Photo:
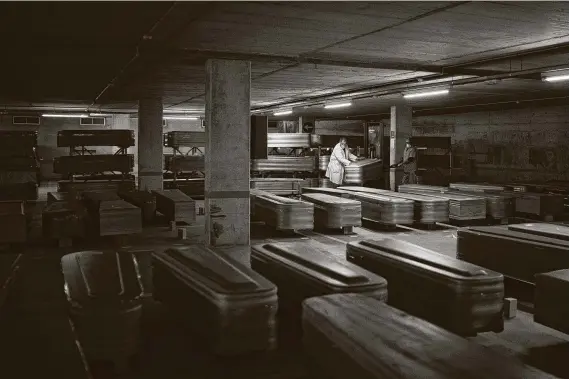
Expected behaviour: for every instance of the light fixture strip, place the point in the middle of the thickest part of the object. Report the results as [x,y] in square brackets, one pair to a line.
[338,105]
[61,115]
[282,113]
[556,78]
[179,118]
[426,94]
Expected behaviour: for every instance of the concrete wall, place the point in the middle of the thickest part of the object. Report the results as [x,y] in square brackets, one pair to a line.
[47,135]
[521,144]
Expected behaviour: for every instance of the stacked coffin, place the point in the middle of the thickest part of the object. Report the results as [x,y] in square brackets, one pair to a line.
[282,213]
[63,219]
[517,251]
[71,138]
[231,307]
[94,185]
[276,186]
[13,222]
[18,165]
[109,215]
[461,207]
[458,296]
[550,309]
[428,209]
[302,270]
[284,140]
[351,335]
[362,171]
[498,205]
[182,138]
[384,209]
[175,205]
[334,212]
[317,182]
[143,200]
[283,164]
[184,163]
[193,187]
[76,164]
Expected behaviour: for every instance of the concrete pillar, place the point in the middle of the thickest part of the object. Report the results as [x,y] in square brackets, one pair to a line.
[400,130]
[227,158]
[150,151]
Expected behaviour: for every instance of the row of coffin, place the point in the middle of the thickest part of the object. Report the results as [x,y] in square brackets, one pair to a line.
[96,213]
[340,306]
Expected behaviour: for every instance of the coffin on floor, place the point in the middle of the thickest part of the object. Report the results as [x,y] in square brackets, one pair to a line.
[458,296]
[461,207]
[175,205]
[384,209]
[428,209]
[354,336]
[109,215]
[302,270]
[63,219]
[334,212]
[282,213]
[551,305]
[515,254]
[227,305]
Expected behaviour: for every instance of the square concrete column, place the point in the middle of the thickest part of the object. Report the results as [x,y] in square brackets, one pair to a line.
[150,140]
[227,158]
[400,130]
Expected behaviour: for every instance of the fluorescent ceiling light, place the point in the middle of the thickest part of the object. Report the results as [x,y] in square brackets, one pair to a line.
[99,115]
[179,118]
[556,78]
[282,113]
[426,94]
[338,105]
[65,115]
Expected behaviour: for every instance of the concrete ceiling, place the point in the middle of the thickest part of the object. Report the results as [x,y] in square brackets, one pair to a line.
[107,55]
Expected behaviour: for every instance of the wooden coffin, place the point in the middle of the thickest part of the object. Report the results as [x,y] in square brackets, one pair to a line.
[551,305]
[456,295]
[144,200]
[334,212]
[354,336]
[175,205]
[226,305]
[282,213]
[63,220]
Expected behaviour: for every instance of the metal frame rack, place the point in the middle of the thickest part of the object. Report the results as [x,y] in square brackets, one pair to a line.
[19,155]
[178,139]
[78,140]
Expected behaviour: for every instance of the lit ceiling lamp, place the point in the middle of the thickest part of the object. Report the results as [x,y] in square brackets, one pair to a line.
[426,94]
[62,115]
[282,113]
[179,118]
[555,76]
[338,105]
[100,115]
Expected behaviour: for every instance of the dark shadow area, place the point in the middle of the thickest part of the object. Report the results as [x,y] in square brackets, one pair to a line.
[551,359]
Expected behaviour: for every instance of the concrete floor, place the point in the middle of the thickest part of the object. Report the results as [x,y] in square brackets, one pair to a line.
[37,339]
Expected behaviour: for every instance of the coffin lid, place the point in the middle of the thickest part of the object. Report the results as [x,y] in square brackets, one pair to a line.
[320,262]
[419,254]
[210,265]
[101,276]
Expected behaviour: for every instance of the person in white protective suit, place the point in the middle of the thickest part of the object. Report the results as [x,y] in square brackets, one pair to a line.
[340,158]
